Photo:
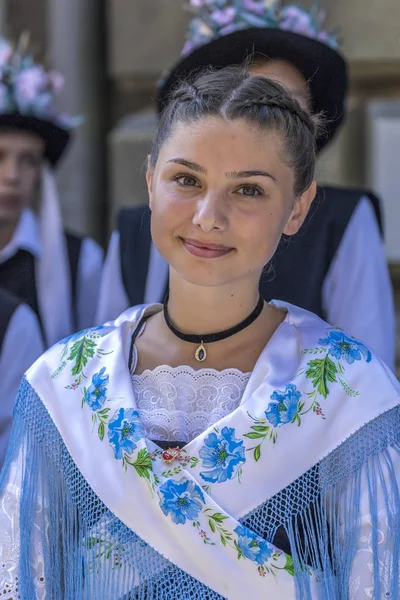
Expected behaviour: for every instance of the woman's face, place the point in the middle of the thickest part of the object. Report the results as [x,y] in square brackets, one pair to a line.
[221,196]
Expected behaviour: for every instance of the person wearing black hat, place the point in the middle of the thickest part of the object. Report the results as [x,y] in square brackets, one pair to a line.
[21,344]
[346,281]
[57,274]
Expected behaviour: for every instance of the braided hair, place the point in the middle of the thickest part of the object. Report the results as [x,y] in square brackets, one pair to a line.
[232,93]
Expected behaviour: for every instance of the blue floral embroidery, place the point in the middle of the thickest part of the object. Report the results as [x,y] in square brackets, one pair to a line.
[96,393]
[182,500]
[222,454]
[124,430]
[284,407]
[342,346]
[252,546]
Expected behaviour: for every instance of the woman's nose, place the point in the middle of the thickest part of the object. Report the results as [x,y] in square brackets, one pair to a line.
[210,213]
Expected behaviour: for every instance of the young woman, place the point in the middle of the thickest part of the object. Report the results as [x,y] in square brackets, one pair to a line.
[217,446]
[348,283]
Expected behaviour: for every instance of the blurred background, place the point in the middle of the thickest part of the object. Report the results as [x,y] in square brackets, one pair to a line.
[113,52]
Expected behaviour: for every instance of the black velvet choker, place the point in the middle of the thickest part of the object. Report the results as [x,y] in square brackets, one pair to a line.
[201,340]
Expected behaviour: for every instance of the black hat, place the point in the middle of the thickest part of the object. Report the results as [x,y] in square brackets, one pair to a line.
[27,98]
[322,66]
[55,137]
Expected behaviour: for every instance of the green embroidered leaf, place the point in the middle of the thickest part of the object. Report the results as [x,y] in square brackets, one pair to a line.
[143,464]
[257,452]
[253,435]
[349,391]
[81,351]
[321,371]
[193,462]
[101,430]
[212,526]
[218,517]
[260,428]
[240,553]
[104,412]
[92,541]
[289,566]
[223,540]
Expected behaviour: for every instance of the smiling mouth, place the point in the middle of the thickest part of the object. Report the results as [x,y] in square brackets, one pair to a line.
[205,249]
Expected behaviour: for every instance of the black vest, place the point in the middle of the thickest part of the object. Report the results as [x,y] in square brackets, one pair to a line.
[296,273]
[8,306]
[17,275]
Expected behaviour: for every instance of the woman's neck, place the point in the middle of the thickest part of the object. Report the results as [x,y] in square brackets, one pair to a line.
[201,310]
[196,310]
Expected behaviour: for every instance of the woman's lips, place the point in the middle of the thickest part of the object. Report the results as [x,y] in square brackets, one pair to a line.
[205,249]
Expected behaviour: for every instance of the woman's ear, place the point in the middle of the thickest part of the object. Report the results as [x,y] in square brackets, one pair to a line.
[300,210]
[149,180]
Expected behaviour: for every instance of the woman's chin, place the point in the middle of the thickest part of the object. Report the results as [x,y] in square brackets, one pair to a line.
[207,277]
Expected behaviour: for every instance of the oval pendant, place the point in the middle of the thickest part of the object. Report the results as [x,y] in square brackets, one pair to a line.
[200,353]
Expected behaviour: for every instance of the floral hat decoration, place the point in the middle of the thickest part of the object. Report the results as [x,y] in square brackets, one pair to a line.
[28,98]
[229,32]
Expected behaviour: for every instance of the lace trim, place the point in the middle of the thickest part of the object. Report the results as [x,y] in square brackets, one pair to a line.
[179,403]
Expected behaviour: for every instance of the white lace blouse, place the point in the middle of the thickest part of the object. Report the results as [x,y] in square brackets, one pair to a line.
[178,404]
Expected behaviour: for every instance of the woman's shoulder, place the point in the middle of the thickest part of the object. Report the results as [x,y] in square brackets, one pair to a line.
[330,355]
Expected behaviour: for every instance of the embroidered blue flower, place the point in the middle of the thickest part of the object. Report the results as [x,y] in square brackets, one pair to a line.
[342,346]
[124,430]
[80,334]
[284,406]
[252,546]
[222,454]
[96,393]
[181,499]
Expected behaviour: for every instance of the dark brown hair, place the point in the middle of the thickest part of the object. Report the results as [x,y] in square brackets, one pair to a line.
[232,93]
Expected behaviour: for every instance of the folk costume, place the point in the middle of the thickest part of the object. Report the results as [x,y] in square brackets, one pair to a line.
[57,274]
[21,344]
[335,266]
[289,490]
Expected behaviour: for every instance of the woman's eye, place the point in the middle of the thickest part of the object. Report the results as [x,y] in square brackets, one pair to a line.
[250,190]
[186,180]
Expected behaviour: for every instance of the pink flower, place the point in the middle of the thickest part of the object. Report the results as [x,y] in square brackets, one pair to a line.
[254,6]
[56,80]
[294,19]
[224,17]
[30,83]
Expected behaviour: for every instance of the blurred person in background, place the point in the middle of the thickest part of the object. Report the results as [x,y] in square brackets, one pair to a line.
[21,343]
[55,273]
[346,280]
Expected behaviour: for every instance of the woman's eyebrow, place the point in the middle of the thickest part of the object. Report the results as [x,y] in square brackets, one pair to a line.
[245,174]
[187,163]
